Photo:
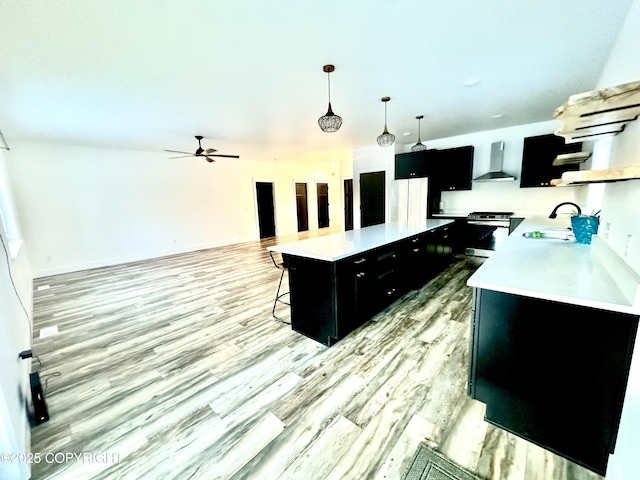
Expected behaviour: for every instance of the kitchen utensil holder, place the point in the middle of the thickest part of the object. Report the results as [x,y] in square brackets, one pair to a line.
[584,226]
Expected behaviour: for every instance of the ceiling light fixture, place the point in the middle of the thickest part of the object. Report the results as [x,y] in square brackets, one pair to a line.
[418,147]
[472,82]
[329,122]
[386,139]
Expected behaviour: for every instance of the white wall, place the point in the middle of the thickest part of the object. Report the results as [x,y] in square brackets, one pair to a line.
[621,199]
[85,207]
[620,210]
[15,336]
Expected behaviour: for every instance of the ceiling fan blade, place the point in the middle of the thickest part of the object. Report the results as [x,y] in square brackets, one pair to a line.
[208,159]
[227,156]
[183,156]
[178,151]
[210,150]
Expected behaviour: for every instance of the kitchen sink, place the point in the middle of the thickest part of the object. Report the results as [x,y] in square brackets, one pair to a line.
[560,234]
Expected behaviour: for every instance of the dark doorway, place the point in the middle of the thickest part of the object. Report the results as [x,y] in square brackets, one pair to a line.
[323,205]
[372,198]
[348,204]
[301,207]
[266,210]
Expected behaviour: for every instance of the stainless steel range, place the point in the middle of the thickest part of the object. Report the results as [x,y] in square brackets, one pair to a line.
[485,231]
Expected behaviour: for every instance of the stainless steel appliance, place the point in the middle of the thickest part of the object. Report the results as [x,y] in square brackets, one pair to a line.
[485,231]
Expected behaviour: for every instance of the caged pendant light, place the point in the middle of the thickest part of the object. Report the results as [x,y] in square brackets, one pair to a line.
[329,122]
[418,147]
[386,139]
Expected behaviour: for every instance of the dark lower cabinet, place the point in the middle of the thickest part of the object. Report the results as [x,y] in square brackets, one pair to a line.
[552,373]
[312,285]
[329,300]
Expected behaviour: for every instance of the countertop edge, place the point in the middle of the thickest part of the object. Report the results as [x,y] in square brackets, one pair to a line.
[612,307]
[429,224]
[625,278]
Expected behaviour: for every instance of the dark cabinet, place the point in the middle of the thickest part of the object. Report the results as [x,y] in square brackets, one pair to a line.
[552,373]
[363,284]
[366,284]
[312,286]
[388,277]
[331,299]
[439,249]
[447,169]
[452,168]
[413,164]
[415,260]
[537,157]
[426,255]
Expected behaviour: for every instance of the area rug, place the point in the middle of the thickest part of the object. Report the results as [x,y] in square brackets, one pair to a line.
[430,465]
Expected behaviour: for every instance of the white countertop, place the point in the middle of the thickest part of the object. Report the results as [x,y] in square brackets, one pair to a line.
[558,270]
[345,244]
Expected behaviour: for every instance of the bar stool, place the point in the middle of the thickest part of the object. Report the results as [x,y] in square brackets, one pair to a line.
[283,267]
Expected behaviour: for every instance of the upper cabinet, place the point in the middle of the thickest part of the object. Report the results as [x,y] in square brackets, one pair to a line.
[537,160]
[412,164]
[452,168]
[598,113]
[448,169]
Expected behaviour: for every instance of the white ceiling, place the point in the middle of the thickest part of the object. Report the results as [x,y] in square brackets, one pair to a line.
[247,74]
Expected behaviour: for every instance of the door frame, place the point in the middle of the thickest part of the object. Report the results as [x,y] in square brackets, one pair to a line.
[344,203]
[384,194]
[256,216]
[312,209]
[328,184]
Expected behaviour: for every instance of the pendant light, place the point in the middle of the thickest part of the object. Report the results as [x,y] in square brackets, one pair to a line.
[386,139]
[418,147]
[329,122]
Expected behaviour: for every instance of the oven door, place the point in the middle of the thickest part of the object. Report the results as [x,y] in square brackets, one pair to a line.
[483,238]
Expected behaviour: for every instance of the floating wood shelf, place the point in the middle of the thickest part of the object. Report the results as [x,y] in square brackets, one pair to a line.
[571,158]
[597,176]
[599,113]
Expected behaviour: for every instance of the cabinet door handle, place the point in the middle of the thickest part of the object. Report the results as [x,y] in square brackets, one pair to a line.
[358,262]
[360,274]
[391,292]
[416,250]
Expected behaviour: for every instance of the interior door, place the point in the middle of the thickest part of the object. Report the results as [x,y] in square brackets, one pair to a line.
[266,209]
[302,207]
[348,204]
[323,205]
[372,198]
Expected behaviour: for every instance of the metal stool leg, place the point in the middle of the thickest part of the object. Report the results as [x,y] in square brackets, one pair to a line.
[278,294]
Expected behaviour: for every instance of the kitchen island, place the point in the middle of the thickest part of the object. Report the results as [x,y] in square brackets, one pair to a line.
[338,282]
[552,336]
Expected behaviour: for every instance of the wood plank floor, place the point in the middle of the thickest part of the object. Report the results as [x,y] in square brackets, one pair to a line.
[174,368]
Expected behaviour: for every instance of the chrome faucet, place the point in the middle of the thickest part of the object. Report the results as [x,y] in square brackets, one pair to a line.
[554,214]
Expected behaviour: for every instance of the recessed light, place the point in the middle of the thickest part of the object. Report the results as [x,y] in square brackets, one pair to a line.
[406,134]
[472,82]
[497,115]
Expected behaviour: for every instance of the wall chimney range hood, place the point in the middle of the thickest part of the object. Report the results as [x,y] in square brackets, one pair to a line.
[495,173]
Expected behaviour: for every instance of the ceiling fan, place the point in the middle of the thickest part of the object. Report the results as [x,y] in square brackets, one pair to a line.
[201,152]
